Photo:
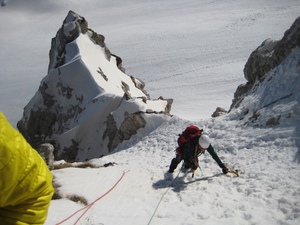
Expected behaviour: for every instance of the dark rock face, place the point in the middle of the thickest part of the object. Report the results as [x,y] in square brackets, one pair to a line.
[86,105]
[129,127]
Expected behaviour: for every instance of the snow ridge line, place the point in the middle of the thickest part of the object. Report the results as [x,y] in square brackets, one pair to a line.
[91,204]
[164,195]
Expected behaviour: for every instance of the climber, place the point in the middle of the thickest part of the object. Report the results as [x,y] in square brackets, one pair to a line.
[193,143]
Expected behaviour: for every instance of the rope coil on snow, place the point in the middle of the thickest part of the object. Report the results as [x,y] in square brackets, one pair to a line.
[86,208]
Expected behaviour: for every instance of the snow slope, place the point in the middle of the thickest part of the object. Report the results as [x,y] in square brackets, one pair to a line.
[267,191]
[204,43]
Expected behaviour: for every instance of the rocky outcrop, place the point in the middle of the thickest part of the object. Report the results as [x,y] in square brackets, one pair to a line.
[46,151]
[86,105]
[271,95]
[219,112]
[265,58]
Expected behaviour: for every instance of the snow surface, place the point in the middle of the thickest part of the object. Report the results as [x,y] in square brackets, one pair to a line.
[204,43]
[267,191]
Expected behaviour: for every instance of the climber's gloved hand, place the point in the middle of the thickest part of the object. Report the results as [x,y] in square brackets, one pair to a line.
[193,166]
[225,170]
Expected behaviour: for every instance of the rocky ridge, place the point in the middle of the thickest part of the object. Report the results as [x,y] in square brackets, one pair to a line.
[274,65]
[86,105]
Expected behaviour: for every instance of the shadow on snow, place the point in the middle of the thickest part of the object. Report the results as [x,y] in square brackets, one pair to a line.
[180,182]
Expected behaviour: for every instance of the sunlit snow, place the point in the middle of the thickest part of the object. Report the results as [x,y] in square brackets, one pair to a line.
[191,51]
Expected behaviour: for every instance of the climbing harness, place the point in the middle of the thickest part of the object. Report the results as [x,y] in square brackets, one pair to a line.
[197,164]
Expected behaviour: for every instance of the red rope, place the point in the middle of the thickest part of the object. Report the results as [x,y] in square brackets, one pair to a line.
[91,204]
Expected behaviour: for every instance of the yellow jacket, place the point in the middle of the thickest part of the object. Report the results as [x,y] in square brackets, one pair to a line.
[25,180]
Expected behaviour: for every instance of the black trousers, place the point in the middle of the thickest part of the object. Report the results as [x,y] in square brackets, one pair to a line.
[187,164]
[174,163]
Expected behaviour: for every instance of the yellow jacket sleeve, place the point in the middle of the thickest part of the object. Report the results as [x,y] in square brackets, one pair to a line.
[25,180]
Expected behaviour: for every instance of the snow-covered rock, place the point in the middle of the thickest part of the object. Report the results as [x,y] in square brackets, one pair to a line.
[86,105]
[272,94]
